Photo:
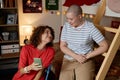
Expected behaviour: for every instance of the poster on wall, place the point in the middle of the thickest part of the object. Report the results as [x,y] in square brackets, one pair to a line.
[32,6]
[51,4]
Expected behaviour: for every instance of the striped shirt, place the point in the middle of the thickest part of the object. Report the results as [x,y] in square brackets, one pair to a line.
[80,39]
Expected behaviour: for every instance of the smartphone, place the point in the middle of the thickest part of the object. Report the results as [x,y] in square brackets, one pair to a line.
[38,60]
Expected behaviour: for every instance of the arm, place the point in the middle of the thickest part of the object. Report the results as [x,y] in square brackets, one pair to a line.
[80,58]
[23,62]
[66,50]
[103,46]
[39,74]
[27,69]
[46,63]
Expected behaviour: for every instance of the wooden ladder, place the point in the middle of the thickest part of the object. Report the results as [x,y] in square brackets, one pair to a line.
[110,54]
[113,48]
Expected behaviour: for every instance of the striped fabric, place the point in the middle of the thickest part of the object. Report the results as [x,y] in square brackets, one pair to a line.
[81,39]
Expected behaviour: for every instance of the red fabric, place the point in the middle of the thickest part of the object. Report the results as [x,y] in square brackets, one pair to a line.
[90,2]
[27,54]
[80,2]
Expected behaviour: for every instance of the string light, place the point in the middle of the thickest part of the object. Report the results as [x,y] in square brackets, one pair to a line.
[91,16]
[64,12]
[28,2]
[58,13]
[86,16]
[83,15]
[40,8]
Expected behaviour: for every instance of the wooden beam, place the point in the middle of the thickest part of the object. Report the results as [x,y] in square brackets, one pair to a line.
[109,56]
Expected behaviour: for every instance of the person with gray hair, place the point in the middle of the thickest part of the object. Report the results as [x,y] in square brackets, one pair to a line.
[77,43]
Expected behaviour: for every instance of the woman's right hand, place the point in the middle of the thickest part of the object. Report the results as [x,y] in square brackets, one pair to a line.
[35,66]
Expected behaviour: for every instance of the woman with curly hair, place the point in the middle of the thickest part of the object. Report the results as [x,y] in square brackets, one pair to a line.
[40,46]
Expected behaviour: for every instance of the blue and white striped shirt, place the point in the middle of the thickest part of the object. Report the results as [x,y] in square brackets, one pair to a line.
[80,39]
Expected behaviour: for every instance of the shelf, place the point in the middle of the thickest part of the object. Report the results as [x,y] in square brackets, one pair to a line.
[9,29]
[9,41]
[11,66]
[8,56]
[7,8]
[5,25]
[9,62]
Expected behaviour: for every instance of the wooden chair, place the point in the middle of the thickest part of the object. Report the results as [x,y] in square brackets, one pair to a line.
[110,54]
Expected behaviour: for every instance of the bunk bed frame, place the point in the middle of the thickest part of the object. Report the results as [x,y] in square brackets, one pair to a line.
[113,48]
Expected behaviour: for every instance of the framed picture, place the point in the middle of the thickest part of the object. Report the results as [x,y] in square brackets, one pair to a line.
[51,4]
[32,6]
[115,24]
[11,19]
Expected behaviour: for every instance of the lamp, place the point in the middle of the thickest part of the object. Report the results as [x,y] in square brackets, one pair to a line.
[27,30]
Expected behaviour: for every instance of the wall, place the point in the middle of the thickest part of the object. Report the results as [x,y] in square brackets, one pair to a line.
[55,21]
[36,19]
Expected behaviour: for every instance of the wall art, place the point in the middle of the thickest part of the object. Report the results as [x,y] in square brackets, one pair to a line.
[32,6]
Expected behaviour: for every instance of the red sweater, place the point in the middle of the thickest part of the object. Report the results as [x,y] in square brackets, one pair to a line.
[27,54]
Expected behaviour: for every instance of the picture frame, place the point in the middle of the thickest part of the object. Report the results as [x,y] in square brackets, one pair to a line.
[32,6]
[115,24]
[52,4]
[11,19]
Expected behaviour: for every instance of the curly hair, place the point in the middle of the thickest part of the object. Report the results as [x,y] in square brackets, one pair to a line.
[36,36]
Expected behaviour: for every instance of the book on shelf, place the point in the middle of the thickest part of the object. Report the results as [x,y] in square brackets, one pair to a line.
[10,3]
